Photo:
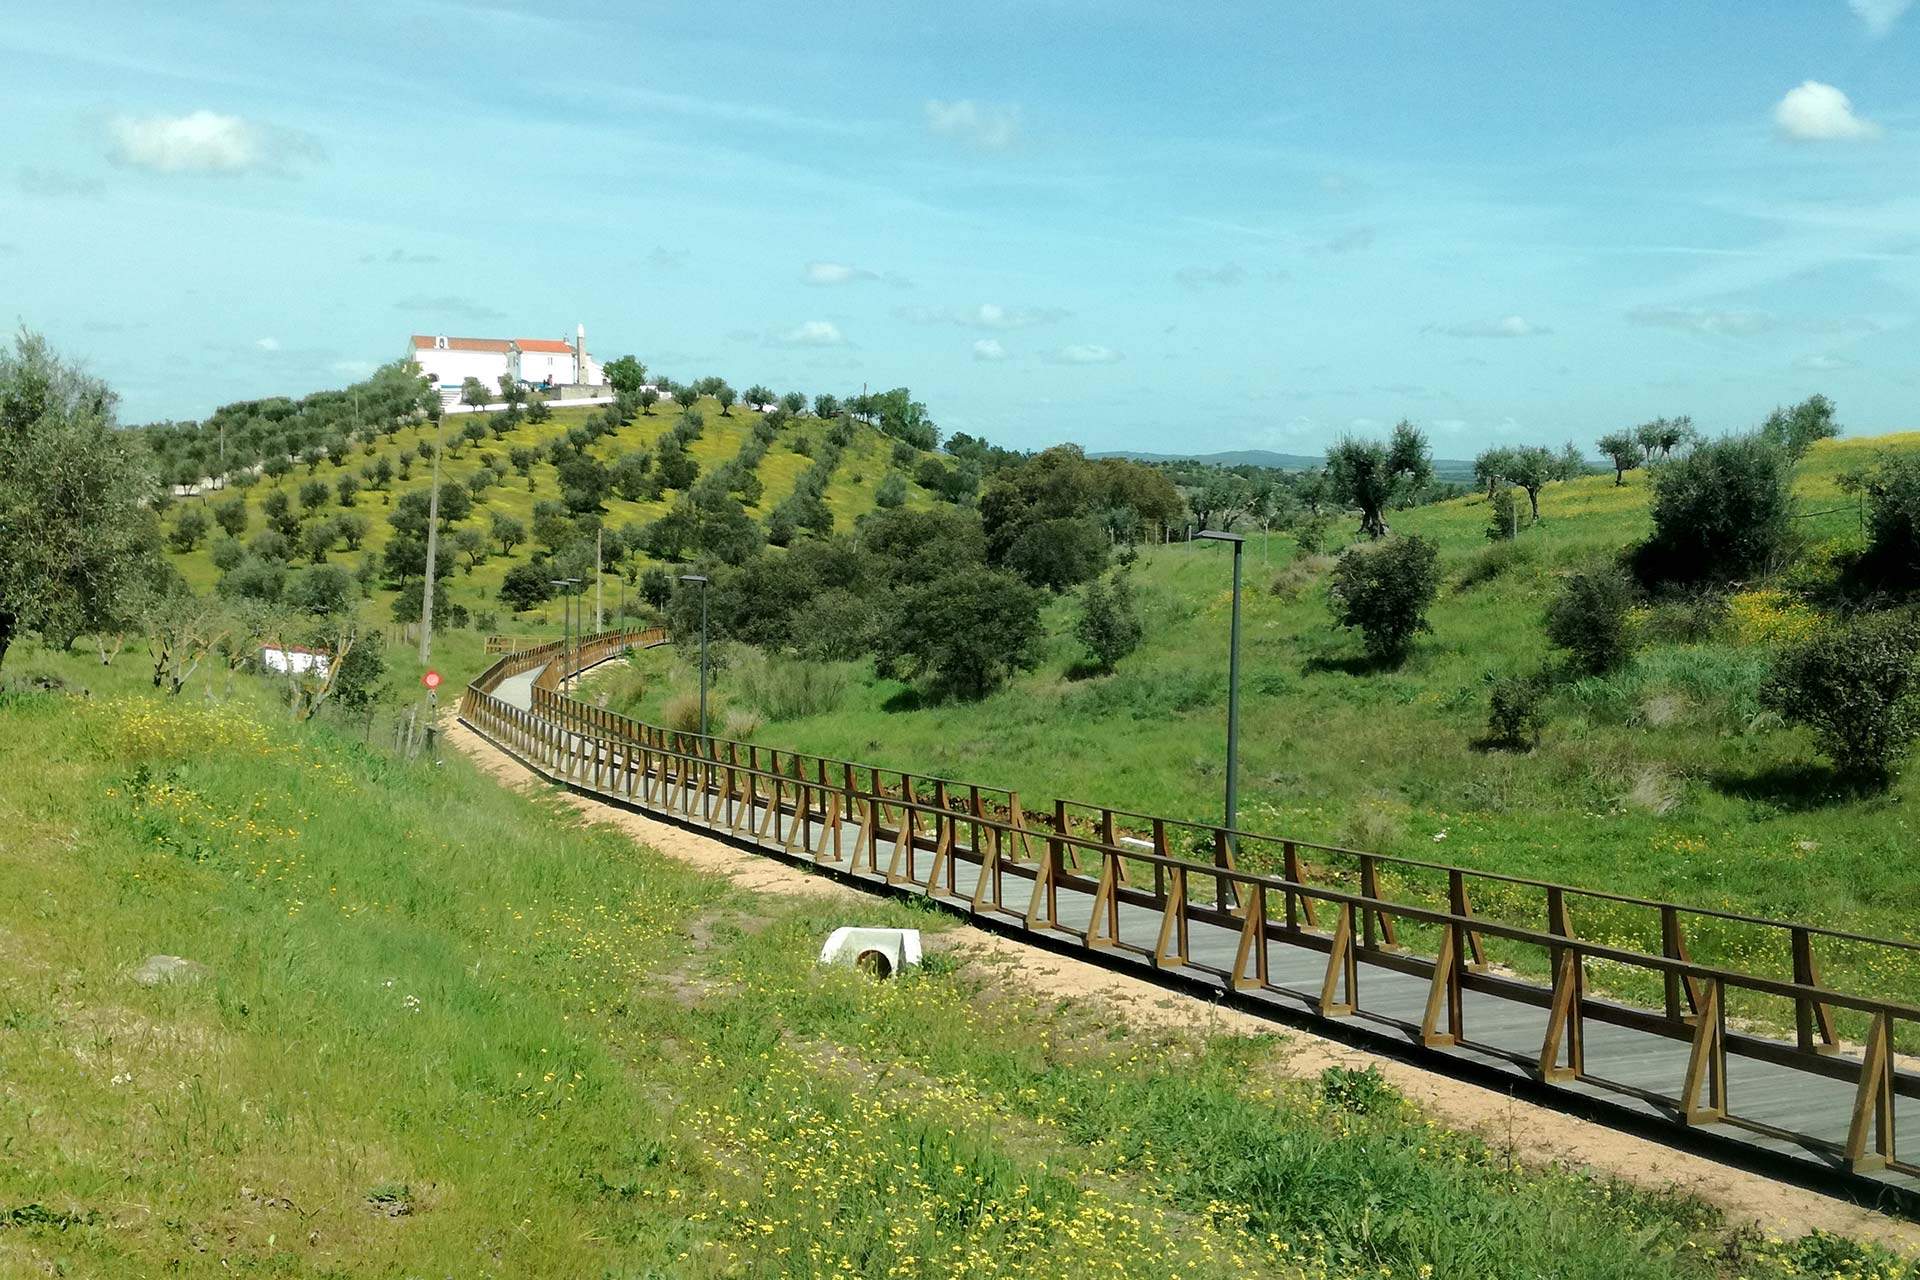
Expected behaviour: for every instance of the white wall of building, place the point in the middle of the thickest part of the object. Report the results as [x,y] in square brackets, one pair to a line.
[451,368]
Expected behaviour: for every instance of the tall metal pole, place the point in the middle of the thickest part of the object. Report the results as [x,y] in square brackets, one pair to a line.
[1233,700]
[599,590]
[433,550]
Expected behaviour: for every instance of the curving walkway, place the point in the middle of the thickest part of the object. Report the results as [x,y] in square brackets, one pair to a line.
[1222,936]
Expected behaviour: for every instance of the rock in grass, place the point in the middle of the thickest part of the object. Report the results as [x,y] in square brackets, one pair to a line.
[159,971]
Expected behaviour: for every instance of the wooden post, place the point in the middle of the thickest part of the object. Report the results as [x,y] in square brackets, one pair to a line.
[1253,943]
[1812,1020]
[1443,998]
[1563,1020]
[1170,949]
[1342,968]
[1873,1112]
[1707,1061]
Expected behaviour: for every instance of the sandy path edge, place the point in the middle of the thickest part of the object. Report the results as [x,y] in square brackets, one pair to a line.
[1546,1135]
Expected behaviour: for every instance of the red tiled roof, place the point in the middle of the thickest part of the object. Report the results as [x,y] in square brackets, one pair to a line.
[428,342]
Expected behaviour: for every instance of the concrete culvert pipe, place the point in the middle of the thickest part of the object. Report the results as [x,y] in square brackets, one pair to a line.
[874,962]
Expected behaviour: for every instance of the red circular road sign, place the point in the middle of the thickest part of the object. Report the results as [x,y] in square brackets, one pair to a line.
[431,679]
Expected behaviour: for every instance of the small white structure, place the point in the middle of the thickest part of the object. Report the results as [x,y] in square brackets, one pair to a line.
[538,362]
[296,659]
[880,952]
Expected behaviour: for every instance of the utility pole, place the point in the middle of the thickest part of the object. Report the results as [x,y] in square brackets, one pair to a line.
[599,583]
[700,581]
[433,550]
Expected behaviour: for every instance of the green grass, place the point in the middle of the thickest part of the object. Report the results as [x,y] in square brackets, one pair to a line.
[1662,781]
[850,495]
[445,1030]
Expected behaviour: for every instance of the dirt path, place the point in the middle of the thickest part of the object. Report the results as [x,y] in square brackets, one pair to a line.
[1551,1136]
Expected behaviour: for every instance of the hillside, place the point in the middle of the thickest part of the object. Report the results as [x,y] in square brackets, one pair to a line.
[1445,470]
[1665,779]
[431,1025]
[864,464]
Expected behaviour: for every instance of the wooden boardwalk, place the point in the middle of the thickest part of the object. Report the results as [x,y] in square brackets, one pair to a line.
[1738,1096]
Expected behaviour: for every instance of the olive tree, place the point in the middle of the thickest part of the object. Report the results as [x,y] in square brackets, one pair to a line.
[75,530]
[1372,475]
[1384,590]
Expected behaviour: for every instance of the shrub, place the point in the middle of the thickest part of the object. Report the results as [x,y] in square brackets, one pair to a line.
[1503,516]
[1688,619]
[1384,590]
[788,688]
[1495,561]
[1109,621]
[1298,574]
[1592,619]
[1892,493]
[1311,535]
[1723,513]
[1361,1092]
[681,712]
[968,631]
[740,724]
[1857,687]
[1517,711]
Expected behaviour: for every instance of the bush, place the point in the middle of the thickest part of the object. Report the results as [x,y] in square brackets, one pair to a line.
[1385,589]
[1723,513]
[967,631]
[1496,561]
[740,724]
[1517,711]
[1592,619]
[1109,621]
[681,712]
[788,688]
[1361,1092]
[1856,685]
[1503,516]
[1892,492]
[1298,574]
[1311,535]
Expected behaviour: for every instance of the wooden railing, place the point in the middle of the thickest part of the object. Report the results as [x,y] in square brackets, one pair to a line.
[981,850]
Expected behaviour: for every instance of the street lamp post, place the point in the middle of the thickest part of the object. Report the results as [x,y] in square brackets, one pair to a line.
[1233,681]
[701,581]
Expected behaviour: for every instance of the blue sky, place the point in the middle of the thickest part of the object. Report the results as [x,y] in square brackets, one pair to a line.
[1136,225]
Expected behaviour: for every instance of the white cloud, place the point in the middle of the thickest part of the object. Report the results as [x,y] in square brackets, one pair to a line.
[1824,363]
[1085,353]
[814,333]
[1222,276]
[989,349]
[1879,15]
[204,142]
[827,274]
[1735,324]
[977,124]
[267,344]
[1817,112]
[1505,327]
[988,315]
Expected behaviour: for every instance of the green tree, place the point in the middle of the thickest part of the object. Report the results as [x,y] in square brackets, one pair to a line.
[189,527]
[525,585]
[1534,467]
[648,397]
[1503,516]
[794,402]
[625,375]
[75,531]
[826,406]
[1663,435]
[232,515]
[725,396]
[1372,476]
[630,474]
[1856,685]
[1492,467]
[314,495]
[966,632]
[656,587]
[891,491]
[475,394]
[1722,513]
[1624,450]
[1385,589]
[1109,621]
[507,531]
[1890,490]
[348,489]
[759,396]
[1796,430]
[352,530]
[472,544]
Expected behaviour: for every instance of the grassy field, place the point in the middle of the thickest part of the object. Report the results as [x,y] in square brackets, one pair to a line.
[439,1028]
[864,464]
[1665,780]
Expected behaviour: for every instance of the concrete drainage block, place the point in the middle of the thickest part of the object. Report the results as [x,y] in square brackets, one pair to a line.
[880,953]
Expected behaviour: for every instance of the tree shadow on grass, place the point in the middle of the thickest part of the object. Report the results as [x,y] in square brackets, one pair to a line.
[1794,788]
[1083,670]
[1351,664]
[907,699]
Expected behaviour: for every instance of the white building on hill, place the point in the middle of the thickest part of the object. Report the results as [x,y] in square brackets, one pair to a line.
[538,362]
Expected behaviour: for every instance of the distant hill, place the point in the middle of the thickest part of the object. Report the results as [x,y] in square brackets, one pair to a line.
[1443,468]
